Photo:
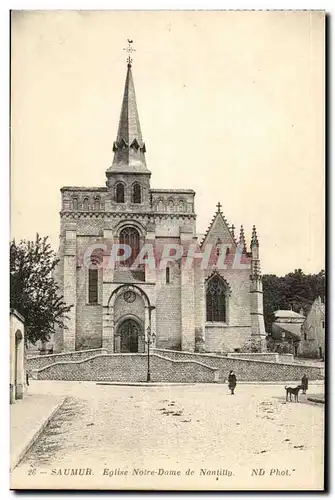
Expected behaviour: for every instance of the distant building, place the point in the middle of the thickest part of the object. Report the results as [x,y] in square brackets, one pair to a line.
[286,331]
[313,331]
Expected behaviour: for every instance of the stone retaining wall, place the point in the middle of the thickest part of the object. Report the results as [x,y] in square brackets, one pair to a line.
[259,356]
[128,368]
[248,370]
[263,356]
[34,362]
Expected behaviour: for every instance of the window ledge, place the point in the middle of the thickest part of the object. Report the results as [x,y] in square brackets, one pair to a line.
[216,324]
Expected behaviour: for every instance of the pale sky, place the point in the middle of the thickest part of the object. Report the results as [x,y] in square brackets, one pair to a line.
[231,104]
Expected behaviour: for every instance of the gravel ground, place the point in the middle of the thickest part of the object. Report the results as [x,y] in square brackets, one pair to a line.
[201,427]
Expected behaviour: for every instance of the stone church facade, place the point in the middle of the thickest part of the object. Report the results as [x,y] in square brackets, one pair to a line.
[212,308]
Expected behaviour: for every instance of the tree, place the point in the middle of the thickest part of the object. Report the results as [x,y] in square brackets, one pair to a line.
[34,292]
[295,291]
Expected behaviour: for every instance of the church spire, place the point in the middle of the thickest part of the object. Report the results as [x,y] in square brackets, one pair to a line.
[129,147]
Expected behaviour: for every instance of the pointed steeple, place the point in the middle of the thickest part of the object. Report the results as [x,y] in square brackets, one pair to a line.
[129,148]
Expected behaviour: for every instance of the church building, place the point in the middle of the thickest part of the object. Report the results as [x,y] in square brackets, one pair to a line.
[211,308]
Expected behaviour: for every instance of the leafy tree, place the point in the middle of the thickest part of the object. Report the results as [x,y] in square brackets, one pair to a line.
[295,290]
[34,292]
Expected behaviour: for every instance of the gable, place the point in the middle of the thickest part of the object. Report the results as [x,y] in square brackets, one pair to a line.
[218,230]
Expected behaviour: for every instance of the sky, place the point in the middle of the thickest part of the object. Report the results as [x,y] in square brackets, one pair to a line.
[231,104]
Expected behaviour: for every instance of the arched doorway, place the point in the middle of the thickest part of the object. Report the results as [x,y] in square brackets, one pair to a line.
[131,336]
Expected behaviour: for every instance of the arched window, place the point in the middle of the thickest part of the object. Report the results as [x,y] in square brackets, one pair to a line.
[75,203]
[130,236]
[160,206]
[93,276]
[93,286]
[216,299]
[167,275]
[119,193]
[85,204]
[97,203]
[136,193]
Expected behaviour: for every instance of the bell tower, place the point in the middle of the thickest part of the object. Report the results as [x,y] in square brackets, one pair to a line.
[128,178]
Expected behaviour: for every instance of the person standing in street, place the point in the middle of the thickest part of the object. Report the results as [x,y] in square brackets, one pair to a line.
[232,381]
[304,383]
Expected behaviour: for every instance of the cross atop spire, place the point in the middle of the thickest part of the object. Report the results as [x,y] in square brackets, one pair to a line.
[129,50]
[219,206]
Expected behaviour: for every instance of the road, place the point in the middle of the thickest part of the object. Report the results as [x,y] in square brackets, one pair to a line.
[111,431]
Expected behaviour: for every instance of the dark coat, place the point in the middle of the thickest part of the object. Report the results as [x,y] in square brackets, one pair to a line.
[304,383]
[232,380]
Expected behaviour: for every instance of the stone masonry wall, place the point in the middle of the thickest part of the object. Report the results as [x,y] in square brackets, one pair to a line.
[249,370]
[89,316]
[168,308]
[219,338]
[35,362]
[128,368]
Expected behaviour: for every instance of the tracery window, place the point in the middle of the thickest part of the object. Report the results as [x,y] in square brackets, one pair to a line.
[136,193]
[130,236]
[119,193]
[216,299]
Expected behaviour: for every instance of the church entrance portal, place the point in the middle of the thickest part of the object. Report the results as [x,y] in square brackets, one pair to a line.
[130,334]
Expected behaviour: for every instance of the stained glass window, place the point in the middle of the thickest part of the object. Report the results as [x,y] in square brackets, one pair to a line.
[216,297]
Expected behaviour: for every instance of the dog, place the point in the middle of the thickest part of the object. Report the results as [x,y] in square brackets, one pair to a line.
[294,391]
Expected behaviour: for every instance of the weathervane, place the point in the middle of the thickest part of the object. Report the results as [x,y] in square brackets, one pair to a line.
[129,49]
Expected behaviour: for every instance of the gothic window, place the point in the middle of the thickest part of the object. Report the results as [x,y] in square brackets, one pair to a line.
[167,275]
[85,204]
[97,203]
[130,236]
[75,203]
[136,193]
[119,193]
[216,299]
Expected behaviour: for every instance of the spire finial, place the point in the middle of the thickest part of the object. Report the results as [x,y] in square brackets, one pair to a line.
[242,239]
[254,237]
[218,206]
[129,50]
